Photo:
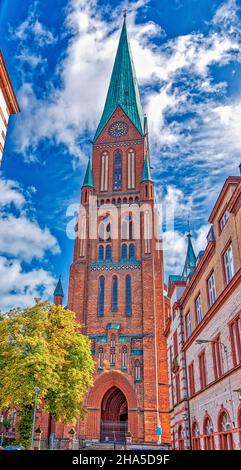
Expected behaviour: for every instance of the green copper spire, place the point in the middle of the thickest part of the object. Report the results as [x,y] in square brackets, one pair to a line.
[59,289]
[146,172]
[123,88]
[88,181]
[191,259]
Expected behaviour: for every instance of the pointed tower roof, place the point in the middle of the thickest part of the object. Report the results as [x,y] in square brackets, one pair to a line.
[191,259]
[123,89]
[88,180]
[59,289]
[146,172]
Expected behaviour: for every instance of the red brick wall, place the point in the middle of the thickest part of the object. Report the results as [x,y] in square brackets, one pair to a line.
[147,316]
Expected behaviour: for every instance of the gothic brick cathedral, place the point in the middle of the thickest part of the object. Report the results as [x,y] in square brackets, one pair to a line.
[116,278]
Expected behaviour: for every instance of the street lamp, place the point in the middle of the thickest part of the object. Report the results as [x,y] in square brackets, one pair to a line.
[203,341]
[37,390]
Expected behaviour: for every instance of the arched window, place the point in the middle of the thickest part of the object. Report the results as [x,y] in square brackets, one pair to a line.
[108,232]
[146,189]
[108,253]
[105,230]
[131,169]
[208,434]
[124,251]
[137,371]
[101,357]
[147,231]
[117,170]
[112,350]
[196,441]
[102,231]
[180,438]
[112,341]
[104,172]
[132,251]
[131,229]
[127,228]
[128,295]
[225,432]
[82,235]
[114,294]
[124,358]
[86,193]
[101,296]
[101,253]
[124,230]
[125,200]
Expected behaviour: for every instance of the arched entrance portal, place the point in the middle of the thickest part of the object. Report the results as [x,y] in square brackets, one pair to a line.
[114,416]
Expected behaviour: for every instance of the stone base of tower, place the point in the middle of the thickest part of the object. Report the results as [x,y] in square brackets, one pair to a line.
[114,408]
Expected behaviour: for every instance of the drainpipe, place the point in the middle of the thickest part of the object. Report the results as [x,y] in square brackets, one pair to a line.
[186,381]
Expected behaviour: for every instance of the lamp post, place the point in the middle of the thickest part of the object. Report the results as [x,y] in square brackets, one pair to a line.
[203,341]
[36,389]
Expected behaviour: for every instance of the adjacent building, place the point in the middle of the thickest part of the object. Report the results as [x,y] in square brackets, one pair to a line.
[204,335]
[8,103]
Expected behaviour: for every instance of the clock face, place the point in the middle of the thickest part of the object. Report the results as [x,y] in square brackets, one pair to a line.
[118,129]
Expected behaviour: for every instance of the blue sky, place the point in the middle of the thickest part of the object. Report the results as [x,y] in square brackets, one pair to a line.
[188,62]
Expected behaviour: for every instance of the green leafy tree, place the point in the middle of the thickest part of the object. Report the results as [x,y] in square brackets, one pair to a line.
[42,346]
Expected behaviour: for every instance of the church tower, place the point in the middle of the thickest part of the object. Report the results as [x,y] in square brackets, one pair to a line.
[116,278]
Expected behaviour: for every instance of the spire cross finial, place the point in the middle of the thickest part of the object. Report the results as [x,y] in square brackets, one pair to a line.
[125,13]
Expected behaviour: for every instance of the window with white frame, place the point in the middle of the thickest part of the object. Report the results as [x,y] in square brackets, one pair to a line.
[104,172]
[131,169]
[82,234]
[137,370]
[229,264]
[147,231]
[211,289]
[124,358]
[199,311]
[223,220]
[188,325]
[101,357]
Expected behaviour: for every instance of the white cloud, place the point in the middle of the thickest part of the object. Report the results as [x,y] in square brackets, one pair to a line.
[22,238]
[18,288]
[226,14]
[85,70]
[29,38]
[10,193]
[32,29]
[174,244]
[194,131]
[175,248]
[175,203]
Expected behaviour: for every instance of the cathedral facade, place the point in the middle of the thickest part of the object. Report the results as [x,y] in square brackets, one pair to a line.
[116,279]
